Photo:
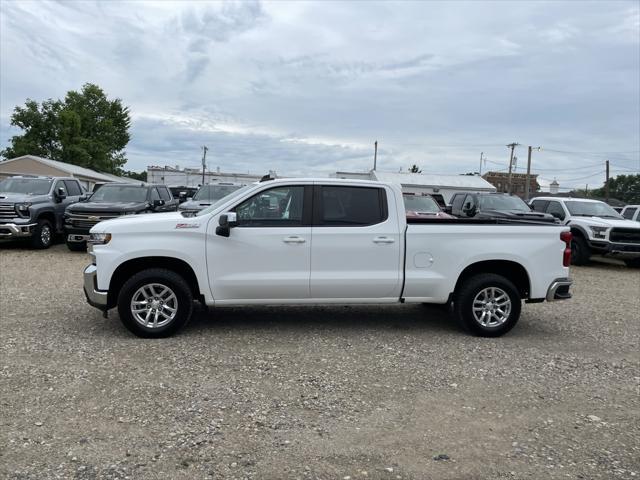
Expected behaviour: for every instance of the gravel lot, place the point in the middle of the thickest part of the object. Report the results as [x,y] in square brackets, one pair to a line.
[328,392]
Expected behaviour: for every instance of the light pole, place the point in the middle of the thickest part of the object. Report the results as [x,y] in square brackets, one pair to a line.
[526,184]
[512,146]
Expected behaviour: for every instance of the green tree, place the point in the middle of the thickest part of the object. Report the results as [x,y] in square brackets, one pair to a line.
[86,129]
[622,187]
[142,176]
[414,169]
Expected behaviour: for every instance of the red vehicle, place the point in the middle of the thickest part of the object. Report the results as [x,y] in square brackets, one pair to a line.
[422,206]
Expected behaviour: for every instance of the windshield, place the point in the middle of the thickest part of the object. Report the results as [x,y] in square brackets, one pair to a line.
[231,196]
[120,193]
[421,204]
[591,209]
[30,186]
[503,202]
[214,192]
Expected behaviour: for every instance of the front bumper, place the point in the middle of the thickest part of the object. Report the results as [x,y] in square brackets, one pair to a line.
[16,230]
[626,250]
[96,298]
[559,289]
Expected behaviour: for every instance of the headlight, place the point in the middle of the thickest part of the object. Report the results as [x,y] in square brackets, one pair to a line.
[23,208]
[100,238]
[598,232]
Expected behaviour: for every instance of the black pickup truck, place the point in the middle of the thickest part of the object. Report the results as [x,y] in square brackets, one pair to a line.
[499,206]
[32,207]
[113,200]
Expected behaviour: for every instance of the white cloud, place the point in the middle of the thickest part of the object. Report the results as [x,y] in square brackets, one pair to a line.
[306,87]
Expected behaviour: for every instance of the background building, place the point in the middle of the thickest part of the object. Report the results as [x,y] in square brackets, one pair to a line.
[33,165]
[444,185]
[192,177]
[500,180]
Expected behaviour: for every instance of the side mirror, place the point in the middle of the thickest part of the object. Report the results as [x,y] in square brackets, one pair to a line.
[226,222]
[182,197]
[84,197]
[469,210]
[158,203]
[60,193]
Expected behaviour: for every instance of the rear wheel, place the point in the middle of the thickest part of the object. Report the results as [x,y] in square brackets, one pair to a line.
[487,305]
[155,303]
[42,234]
[580,252]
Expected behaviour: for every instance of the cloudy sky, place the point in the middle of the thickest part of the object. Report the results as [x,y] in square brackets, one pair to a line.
[306,88]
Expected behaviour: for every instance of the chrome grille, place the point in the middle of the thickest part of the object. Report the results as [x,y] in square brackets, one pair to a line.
[7,212]
[87,220]
[625,235]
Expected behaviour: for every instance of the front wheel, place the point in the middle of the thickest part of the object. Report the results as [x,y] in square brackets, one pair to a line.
[632,262]
[42,235]
[487,305]
[580,252]
[77,246]
[155,303]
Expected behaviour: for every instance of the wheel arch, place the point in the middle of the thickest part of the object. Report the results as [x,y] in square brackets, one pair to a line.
[512,271]
[125,270]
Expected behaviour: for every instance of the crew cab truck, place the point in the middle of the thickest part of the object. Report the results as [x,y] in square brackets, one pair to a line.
[32,207]
[113,200]
[495,205]
[321,241]
[597,229]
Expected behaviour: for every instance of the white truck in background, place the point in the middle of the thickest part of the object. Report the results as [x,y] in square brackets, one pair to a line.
[321,241]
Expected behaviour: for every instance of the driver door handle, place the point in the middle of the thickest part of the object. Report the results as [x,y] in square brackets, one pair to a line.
[383,240]
[294,239]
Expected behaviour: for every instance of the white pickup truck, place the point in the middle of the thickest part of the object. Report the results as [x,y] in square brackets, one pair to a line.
[321,241]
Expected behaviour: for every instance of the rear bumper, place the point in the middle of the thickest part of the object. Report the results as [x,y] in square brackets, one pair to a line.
[559,289]
[16,230]
[96,298]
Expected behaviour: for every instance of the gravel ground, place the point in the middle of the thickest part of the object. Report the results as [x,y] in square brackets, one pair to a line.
[327,392]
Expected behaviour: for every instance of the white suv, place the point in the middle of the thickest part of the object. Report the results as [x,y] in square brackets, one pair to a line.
[631,212]
[596,227]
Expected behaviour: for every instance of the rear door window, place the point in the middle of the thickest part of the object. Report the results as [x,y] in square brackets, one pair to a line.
[164,193]
[539,205]
[556,210]
[73,189]
[350,206]
[629,213]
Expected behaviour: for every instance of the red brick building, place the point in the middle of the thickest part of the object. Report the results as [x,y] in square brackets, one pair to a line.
[500,180]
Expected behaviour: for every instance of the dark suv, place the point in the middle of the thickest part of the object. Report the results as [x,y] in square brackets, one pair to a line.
[32,207]
[499,206]
[113,200]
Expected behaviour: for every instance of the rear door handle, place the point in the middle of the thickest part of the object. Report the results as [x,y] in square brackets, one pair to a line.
[294,239]
[383,240]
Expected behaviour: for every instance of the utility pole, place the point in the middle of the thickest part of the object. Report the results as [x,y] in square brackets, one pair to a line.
[512,146]
[204,158]
[480,170]
[375,154]
[606,183]
[528,177]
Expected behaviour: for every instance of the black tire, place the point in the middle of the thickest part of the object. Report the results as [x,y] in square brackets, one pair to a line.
[42,235]
[466,294]
[632,262]
[77,246]
[580,253]
[166,278]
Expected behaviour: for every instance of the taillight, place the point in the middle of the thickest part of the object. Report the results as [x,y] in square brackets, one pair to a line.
[566,256]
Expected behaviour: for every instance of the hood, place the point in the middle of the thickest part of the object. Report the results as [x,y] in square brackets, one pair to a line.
[97,207]
[608,222]
[196,204]
[9,197]
[150,222]
[517,214]
[438,215]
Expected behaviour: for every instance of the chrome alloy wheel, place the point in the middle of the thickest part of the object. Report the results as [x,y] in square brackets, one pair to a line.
[45,234]
[491,307]
[154,305]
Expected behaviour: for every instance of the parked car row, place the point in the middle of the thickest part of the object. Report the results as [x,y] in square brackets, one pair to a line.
[37,208]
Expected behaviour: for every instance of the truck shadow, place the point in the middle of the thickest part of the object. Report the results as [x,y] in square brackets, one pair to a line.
[318,318]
